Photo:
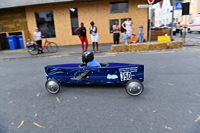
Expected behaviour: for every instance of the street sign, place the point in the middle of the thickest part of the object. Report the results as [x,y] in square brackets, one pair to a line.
[179,5]
[143,6]
[150,1]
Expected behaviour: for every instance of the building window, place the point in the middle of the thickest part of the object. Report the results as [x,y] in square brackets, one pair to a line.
[74,19]
[112,22]
[167,11]
[45,23]
[119,6]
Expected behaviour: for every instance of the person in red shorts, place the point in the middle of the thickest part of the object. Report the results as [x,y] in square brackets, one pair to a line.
[81,32]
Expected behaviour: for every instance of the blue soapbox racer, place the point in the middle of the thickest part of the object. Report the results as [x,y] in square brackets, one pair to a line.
[132,75]
[110,73]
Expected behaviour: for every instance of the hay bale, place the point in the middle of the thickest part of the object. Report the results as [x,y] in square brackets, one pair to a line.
[152,46]
[143,47]
[175,44]
[119,48]
[157,46]
[133,47]
[180,44]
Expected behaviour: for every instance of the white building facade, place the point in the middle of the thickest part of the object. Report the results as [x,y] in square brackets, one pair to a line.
[163,13]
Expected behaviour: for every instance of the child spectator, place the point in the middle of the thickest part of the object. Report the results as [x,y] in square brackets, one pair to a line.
[133,38]
[125,38]
[141,34]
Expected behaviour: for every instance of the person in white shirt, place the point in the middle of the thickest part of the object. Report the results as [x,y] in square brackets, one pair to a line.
[178,26]
[94,37]
[38,39]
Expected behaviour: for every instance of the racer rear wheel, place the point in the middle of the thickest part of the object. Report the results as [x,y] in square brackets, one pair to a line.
[52,47]
[134,87]
[52,86]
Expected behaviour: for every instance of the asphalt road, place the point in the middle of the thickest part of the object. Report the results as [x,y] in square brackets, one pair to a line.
[169,103]
[195,35]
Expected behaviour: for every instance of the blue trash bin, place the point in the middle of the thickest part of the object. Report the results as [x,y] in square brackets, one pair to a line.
[21,42]
[13,42]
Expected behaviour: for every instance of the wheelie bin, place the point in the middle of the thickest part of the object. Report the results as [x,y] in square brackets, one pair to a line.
[21,41]
[13,42]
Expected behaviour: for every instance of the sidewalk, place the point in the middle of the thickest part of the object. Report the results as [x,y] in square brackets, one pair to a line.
[62,50]
[188,41]
[72,49]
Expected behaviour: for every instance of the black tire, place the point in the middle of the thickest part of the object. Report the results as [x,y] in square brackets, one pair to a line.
[189,31]
[52,47]
[33,51]
[134,87]
[52,86]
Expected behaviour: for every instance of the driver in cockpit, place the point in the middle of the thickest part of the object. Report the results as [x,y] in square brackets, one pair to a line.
[88,58]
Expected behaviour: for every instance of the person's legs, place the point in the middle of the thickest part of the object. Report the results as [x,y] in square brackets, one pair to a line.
[117,37]
[39,43]
[82,42]
[93,46]
[140,39]
[114,37]
[97,46]
[96,39]
[86,42]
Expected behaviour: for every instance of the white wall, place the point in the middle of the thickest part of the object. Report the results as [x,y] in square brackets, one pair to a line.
[163,15]
[158,14]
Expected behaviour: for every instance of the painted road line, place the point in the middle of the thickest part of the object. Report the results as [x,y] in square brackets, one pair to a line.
[159,52]
[103,55]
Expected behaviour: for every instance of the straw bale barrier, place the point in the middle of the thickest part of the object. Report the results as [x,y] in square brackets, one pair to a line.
[152,46]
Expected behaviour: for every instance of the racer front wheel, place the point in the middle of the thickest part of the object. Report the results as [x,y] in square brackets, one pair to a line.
[52,47]
[134,87]
[52,86]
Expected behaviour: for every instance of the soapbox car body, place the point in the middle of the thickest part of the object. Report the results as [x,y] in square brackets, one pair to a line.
[132,75]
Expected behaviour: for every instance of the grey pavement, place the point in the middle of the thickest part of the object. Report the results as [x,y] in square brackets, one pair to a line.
[73,49]
[169,103]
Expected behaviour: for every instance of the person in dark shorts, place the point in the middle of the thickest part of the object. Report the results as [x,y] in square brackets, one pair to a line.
[38,39]
[81,32]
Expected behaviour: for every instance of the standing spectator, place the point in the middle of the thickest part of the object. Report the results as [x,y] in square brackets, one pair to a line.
[94,37]
[128,25]
[116,32]
[38,39]
[178,28]
[174,29]
[125,38]
[83,37]
[141,34]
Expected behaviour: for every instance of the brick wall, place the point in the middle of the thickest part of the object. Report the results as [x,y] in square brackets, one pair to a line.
[98,11]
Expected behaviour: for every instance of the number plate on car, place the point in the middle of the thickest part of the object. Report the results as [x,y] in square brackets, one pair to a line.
[125,76]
